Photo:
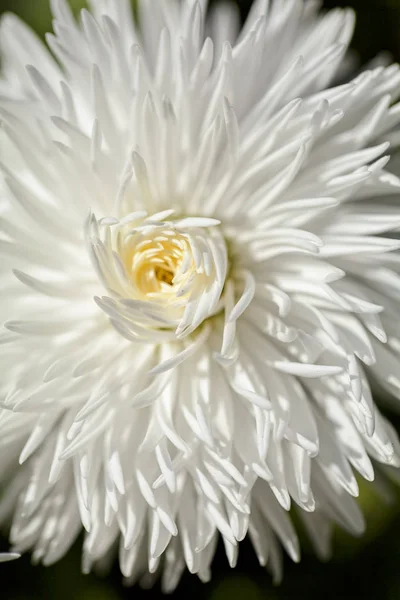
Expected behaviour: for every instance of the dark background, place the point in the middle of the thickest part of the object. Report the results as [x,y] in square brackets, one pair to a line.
[367,568]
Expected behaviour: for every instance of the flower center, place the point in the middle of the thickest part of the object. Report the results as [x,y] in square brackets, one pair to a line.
[162,275]
[157,265]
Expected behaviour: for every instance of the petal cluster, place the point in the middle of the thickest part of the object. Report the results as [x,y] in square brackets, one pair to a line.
[165,277]
[200,282]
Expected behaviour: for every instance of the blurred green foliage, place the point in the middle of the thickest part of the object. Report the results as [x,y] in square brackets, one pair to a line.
[36,12]
[365,568]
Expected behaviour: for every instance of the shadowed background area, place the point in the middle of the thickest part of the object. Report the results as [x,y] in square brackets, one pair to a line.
[361,568]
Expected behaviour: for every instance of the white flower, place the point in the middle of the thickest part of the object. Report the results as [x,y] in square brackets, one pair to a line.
[198,282]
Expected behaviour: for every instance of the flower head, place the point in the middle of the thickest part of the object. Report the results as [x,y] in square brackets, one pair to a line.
[199,282]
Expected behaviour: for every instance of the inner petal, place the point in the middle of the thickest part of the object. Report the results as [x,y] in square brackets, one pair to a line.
[155,265]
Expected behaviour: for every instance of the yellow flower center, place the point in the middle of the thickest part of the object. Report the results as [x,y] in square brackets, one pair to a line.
[159,265]
[164,277]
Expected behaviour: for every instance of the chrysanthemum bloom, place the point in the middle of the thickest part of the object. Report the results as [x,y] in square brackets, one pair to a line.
[198,282]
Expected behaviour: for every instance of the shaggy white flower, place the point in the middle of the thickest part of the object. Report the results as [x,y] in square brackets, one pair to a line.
[198,283]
